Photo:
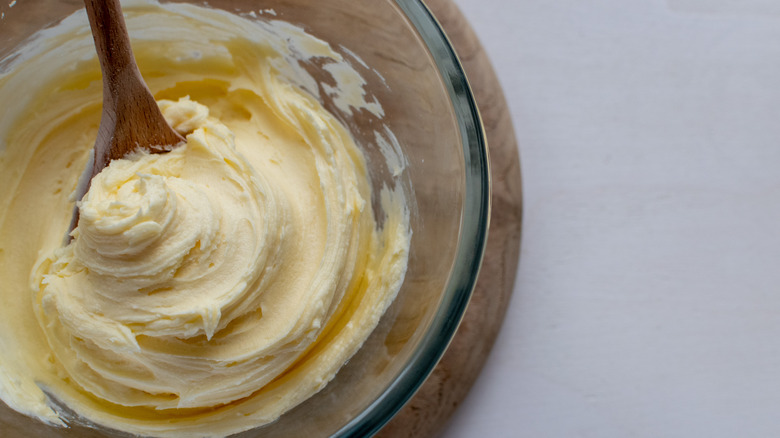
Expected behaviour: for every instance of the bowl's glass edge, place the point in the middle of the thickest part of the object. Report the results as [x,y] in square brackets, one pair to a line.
[473,235]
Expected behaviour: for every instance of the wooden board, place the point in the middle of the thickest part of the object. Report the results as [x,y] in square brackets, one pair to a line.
[428,411]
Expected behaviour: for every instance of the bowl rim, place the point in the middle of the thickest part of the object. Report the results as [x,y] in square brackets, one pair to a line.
[472,239]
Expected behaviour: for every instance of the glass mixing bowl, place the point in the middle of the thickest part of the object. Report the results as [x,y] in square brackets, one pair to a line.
[414,73]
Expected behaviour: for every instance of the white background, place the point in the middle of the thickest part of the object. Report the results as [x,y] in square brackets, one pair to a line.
[647,300]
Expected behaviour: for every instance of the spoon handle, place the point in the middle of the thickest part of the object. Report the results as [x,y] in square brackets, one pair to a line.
[111,39]
[131,118]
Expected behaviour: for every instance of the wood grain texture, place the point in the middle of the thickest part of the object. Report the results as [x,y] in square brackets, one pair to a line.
[437,400]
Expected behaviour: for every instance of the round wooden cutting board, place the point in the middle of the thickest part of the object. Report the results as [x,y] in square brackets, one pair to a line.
[427,412]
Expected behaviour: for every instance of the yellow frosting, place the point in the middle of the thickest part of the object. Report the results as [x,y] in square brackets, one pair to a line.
[207,290]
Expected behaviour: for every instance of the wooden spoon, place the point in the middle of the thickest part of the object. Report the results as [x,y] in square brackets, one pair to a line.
[131,119]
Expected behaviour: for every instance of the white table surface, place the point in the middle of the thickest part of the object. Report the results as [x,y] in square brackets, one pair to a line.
[647,300]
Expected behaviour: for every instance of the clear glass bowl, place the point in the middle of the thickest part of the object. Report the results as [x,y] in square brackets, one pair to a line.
[416,76]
